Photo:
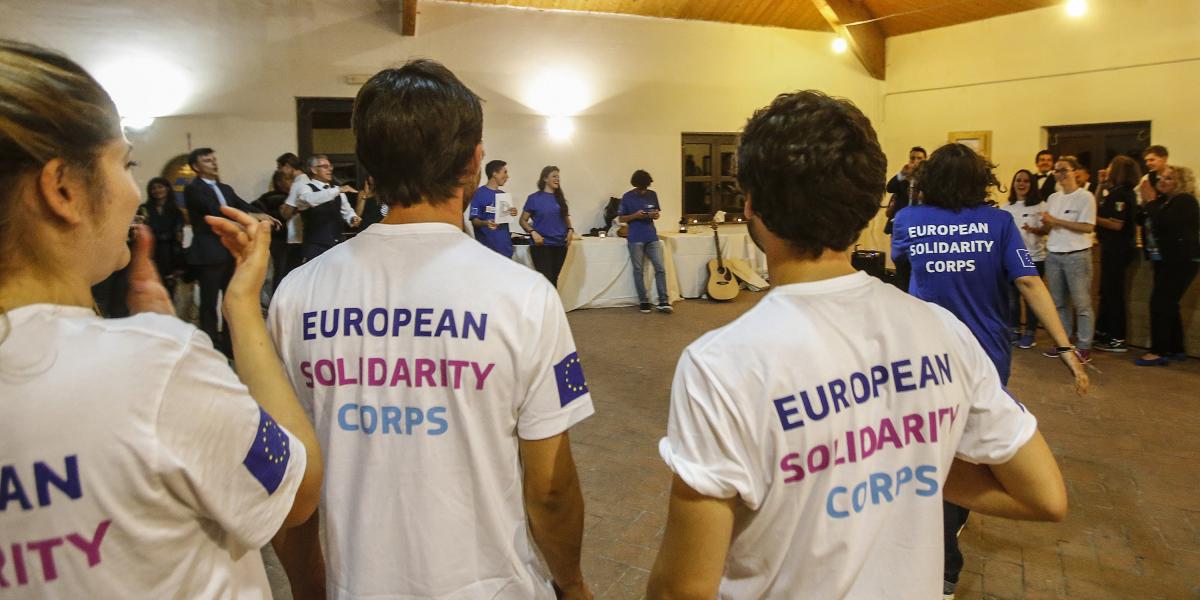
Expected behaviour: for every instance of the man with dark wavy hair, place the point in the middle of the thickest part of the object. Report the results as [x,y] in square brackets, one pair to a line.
[812,439]
[442,377]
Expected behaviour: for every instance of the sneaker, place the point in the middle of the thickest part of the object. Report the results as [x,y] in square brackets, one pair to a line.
[948,590]
[1152,362]
[1113,345]
[644,307]
[1051,353]
[1026,342]
[664,307]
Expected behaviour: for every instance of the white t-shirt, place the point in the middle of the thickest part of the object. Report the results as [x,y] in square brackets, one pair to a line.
[816,410]
[422,356]
[295,225]
[1080,207]
[1031,216]
[132,461]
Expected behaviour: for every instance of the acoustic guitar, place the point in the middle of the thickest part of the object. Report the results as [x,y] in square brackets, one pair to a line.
[722,285]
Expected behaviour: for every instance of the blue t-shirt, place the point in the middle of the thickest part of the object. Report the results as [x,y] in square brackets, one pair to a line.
[483,207]
[547,218]
[964,261]
[640,230]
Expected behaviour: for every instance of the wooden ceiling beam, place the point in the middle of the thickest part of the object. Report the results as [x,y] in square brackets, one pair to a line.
[866,39]
[408,17]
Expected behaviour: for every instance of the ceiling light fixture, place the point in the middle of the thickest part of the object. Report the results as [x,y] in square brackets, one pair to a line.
[839,44]
[1077,8]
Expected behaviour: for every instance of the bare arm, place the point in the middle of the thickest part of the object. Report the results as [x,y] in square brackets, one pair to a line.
[1110,224]
[1052,221]
[299,551]
[528,227]
[1038,299]
[1028,487]
[641,214]
[254,355]
[692,557]
[286,211]
[554,503]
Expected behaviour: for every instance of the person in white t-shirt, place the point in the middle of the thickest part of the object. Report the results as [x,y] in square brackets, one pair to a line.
[813,438]
[442,378]
[133,462]
[1068,222]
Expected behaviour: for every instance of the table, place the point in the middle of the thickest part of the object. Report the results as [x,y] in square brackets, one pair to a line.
[597,273]
[692,251]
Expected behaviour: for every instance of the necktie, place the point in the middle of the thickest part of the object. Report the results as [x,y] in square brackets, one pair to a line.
[220,196]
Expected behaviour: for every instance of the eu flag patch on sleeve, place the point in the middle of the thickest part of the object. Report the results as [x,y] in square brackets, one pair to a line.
[568,374]
[1026,259]
[267,459]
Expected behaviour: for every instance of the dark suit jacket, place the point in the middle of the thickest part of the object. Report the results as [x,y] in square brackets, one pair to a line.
[1048,185]
[201,200]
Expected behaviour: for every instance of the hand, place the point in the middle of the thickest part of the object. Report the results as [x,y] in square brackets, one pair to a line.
[538,240]
[907,169]
[249,241]
[264,217]
[146,291]
[641,214]
[348,189]
[492,225]
[1026,227]
[655,215]
[1049,220]
[512,211]
[570,238]
[1081,379]
[355,221]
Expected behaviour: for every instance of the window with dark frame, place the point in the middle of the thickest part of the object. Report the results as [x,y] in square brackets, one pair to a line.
[709,168]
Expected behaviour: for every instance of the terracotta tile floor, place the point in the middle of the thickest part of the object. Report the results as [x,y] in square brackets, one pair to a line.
[1128,451]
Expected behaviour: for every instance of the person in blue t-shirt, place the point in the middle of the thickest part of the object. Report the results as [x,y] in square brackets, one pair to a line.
[547,220]
[639,209]
[964,254]
[483,210]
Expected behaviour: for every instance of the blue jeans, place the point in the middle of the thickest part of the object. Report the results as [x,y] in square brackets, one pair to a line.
[1069,277]
[638,251]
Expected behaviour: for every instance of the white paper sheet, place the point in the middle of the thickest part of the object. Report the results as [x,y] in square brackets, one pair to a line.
[504,204]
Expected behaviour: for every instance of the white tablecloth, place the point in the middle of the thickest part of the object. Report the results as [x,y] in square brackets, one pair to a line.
[692,251]
[598,274]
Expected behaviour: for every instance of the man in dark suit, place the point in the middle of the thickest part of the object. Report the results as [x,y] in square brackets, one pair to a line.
[205,195]
[1046,183]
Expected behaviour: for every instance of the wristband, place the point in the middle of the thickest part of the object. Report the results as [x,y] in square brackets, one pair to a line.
[1063,349]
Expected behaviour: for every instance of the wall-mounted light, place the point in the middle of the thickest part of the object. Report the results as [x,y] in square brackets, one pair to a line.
[1077,8]
[839,44]
[560,128]
[143,87]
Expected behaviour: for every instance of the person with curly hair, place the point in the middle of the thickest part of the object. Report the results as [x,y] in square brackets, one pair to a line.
[639,209]
[772,496]
[964,256]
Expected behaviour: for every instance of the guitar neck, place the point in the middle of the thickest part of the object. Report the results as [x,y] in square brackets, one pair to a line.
[717,243]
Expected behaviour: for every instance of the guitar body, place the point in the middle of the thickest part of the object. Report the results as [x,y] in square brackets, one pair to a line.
[722,285]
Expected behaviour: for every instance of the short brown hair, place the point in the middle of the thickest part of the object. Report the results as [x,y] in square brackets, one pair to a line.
[1157,150]
[1124,171]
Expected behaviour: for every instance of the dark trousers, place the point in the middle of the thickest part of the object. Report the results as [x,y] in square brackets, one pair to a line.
[1114,264]
[953,518]
[311,251]
[1171,280]
[213,279]
[548,260]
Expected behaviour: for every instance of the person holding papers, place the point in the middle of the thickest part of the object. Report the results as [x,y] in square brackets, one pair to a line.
[490,230]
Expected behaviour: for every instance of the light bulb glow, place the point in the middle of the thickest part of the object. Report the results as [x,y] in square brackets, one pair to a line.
[143,87]
[560,128]
[559,93]
[839,45]
[1077,8]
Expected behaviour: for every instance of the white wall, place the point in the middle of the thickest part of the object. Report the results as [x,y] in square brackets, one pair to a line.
[1126,60]
[650,80]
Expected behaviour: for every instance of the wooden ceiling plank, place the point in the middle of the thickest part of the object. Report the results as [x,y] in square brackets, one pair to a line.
[408,18]
[865,40]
